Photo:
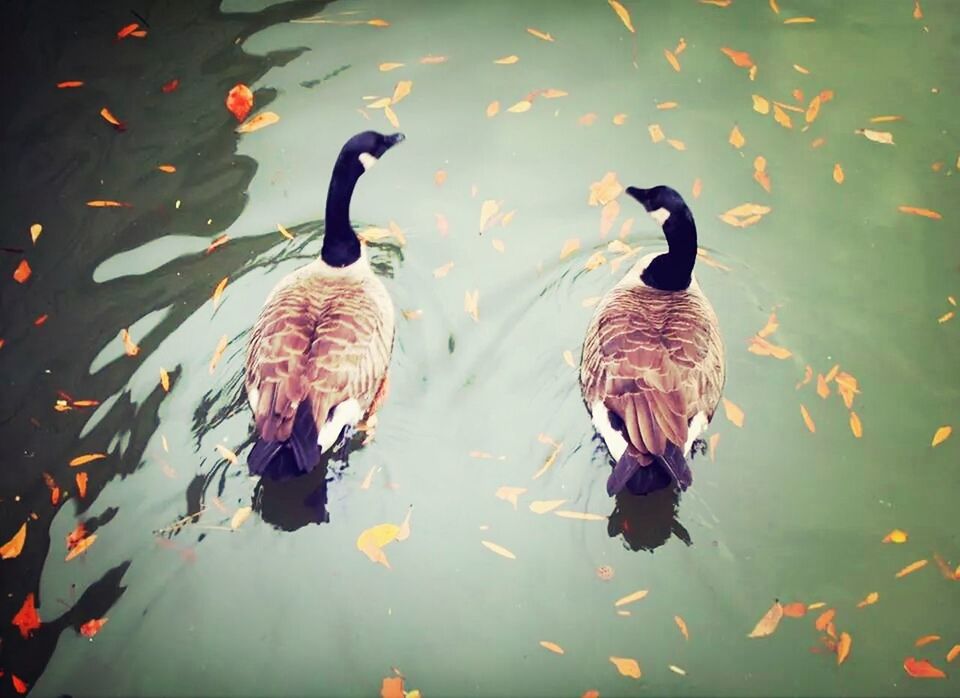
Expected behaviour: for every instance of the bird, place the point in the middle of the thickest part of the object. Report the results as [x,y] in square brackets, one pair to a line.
[652,369]
[318,355]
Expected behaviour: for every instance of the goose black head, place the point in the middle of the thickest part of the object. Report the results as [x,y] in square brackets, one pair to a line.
[362,152]
[671,271]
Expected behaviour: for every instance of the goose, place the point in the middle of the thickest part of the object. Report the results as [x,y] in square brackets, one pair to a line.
[318,354]
[652,368]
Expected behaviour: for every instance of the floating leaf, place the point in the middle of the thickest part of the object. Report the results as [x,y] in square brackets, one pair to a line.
[498,549]
[509,494]
[218,353]
[619,119]
[81,546]
[622,14]
[92,627]
[471,301]
[741,59]
[387,67]
[676,670]
[627,667]
[676,144]
[372,541]
[912,567]
[218,292]
[165,380]
[539,34]
[855,425]
[19,685]
[493,108]
[22,272]
[521,106]
[227,454]
[884,137]
[127,30]
[941,435]
[112,120]
[781,117]
[744,215]
[433,60]
[656,133]
[671,59]
[401,90]
[507,60]
[926,640]
[843,647]
[169,87]
[762,347]
[697,188]
[808,420]
[812,110]
[13,547]
[107,204]
[283,231]
[443,270]
[70,83]
[800,20]
[552,646]
[391,117]
[569,247]
[952,654]
[580,515]
[736,138]
[35,231]
[683,627]
[733,412]
[261,120]
[543,506]
[667,105]
[239,101]
[925,212]
[488,210]
[869,599]
[239,516]
[760,104]
[922,669]
[630,598]
[587,119]
[838,176]
[768,624]
[605,190]
[553,93]
[86,458]
[713,441]
[81,480]
[824,619]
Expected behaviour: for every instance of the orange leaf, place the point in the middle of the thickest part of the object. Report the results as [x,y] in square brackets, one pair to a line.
[733,412]
[925,212]
[917,12]
[261,120]
[112,120]
[87,458]
[27,619]
[795,610]
[623,15]
[493,108]
[736,138]
[13,547]
[952,654]
[843,647]
[627,667]
[768,624]
[808,420]
[129,347]
[912,567]
[741,59]
[169,169]
[552,646]
[781,117]
[587,119]
[683,627]
[697,188]
[762,347]
[169,87]
[218,292]
[656,133]
[630,598]
[19,685]
[592,693]
[70,83]
[127,30]
[81,547]
[218,353]
[800,20]
[922,669]
[539,34]
[81,479]
[92,627]
[838,174]
[667,105]
[941,435]
[869,599]
[855,425]
[22,272]
[498,549]
[239,101]
[671,59]
[895,536]
[926,640]
[107,204]
[392,687]
[813,109]
[824,619]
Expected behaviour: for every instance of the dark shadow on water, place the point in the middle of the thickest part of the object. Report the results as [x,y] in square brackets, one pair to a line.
[646,522]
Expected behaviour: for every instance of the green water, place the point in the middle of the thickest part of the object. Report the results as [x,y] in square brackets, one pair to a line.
[289,608]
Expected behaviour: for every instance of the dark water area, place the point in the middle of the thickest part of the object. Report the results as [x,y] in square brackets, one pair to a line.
[203,601]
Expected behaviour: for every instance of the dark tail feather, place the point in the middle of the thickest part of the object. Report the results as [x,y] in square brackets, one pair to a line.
[622,473]
[629,473]
[281,460]
[675,464]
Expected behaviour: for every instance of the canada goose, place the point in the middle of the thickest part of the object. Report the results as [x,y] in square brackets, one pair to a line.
[652,369]
[318,355]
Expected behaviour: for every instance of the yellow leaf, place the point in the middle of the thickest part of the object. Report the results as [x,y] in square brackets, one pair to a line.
[391,117]
[13,547]
[404,531]
[884,137]
[808,420]
[488,210]
[760,104]
[81,547]
[697,188]
[35,231]
[800,69]
[378,23]
[497,244]
[164,380]
[499,550]
[568,358]
[882,119]
[442,271]
[380,103]
[627,667]
[283,231]
[838,176]
[656,133]
[553,93]
[736,138]
[580,515]
[521,106]
[671,59]
[169,169]
[667,105]
[87,458]
[605,191]
[218,353]
[569,247]
[843,647]
[387,67]
[683,627]
[941,435]
[946,317]
[925,212]
[401,90]
[622,14]
[734,413]
[129,346]
[855,425]
[439,177]
[372,541]
[895,536]
[227,454]
[261,120]
[630,598]
[507,60]
[912,567]
[552,646]
[471,304]
[768,624]
[433,60]
[539,34]
[619,119]
[218,292]
[542,506]
[509,494]
[781,117]
[493,108]
[596,260]
[676,144]
[813,109]
[869,599]
[800,20]
[551,459]
[239,516]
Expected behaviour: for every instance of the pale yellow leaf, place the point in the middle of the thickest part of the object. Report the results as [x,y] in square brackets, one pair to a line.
[543,506]
[471,304]
[507,60]
[387,67]
[627,667]
[498,549]
[630,598]
[623,14]
[569,247]
[239,516]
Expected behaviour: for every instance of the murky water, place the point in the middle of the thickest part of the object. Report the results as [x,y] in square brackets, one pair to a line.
[284,605]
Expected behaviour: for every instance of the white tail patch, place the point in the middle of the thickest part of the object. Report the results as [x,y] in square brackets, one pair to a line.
[346,414]
[614,440]
[660,215]
[368,161]
[697,426]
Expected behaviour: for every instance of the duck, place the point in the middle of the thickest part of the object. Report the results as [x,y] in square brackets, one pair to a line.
[652,369]
[318,354]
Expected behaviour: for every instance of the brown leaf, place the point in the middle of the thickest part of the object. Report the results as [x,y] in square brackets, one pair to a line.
[768,624]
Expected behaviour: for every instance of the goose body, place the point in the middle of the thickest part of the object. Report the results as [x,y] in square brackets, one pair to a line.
[652,369]
[318,354]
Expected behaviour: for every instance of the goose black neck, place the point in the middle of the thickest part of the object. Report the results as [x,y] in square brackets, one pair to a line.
[341,246]
[673,271]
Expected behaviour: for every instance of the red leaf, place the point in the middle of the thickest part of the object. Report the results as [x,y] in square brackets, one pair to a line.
[19,685]
[240,101]
[22,272]
[27,618]
[170,86]
[92,627]
[922,669]
[76,535]
[127,31]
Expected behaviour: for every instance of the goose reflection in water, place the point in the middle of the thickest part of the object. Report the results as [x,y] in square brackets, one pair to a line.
[647,522]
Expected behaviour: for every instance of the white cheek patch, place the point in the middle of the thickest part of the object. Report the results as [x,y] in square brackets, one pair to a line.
[368,161]
[697,426]
[347,413]
[614,440]
[660,215]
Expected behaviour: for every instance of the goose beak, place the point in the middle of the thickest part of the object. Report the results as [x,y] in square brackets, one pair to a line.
[638,194]
[394,139]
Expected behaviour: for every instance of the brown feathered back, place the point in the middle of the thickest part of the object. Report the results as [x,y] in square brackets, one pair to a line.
[326,335]
[655,359]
